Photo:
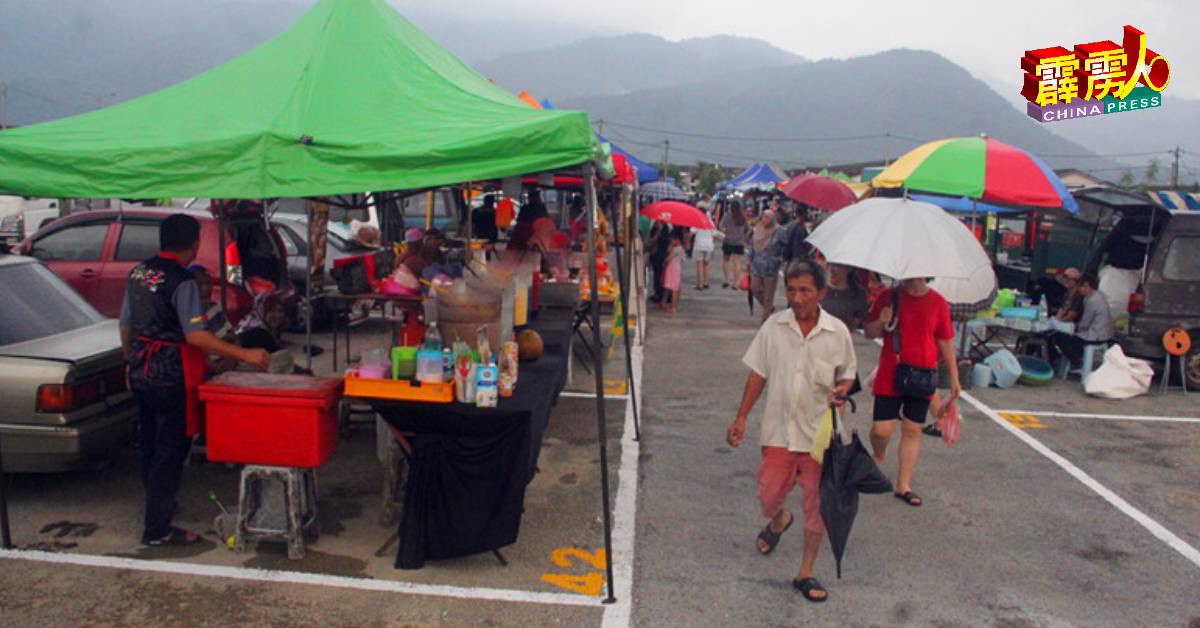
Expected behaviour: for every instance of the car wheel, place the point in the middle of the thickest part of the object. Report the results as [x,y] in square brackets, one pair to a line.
[1191,363]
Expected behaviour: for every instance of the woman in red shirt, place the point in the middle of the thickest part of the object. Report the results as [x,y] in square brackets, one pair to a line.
[926,334]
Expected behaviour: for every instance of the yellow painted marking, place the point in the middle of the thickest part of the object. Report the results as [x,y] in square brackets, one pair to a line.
[591,583]
[616,386]
[562,557]
[1023,421]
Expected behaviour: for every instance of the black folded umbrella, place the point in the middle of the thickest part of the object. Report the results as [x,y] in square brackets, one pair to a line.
[847,471]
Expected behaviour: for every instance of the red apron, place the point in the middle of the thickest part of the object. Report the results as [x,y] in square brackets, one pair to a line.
[195,367]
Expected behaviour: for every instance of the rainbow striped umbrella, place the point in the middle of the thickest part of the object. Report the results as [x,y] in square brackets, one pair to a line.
[979,168]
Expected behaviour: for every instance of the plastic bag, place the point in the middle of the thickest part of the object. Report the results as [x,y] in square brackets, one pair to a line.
[744,284]
[823,437]
[1120,377]
[951,425]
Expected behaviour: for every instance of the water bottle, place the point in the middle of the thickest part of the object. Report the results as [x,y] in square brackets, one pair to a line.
[433,339]
[1043,309]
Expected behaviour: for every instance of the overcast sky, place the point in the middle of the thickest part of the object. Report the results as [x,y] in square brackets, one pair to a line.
[983,37]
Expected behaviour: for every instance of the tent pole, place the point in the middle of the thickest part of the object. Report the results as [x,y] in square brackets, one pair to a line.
[308,348]
[589,172]
[221,256]
[637,271]
[622,279]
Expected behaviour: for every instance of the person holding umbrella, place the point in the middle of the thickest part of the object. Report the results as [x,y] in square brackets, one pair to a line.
[914,322]
[807,357]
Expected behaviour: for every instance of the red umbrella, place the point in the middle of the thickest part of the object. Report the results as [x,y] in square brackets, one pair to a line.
[823,193]
[678,214]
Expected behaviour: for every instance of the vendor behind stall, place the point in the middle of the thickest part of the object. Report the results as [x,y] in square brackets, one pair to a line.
[164,338]
[483,221]
[428,251]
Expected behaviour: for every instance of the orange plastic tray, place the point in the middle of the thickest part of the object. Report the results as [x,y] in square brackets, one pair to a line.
[400,389]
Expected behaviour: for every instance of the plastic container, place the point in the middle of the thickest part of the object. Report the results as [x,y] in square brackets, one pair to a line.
[404,362]
[399,389]
[1025,312]
[1035,371]
[277,420]
[429,366]
[981,376]
[1006,369]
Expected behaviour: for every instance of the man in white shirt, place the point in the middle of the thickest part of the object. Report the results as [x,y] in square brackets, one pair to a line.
[807,355]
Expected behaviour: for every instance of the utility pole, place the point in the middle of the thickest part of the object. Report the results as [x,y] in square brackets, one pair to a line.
[1175,170]
[3,105]
[666,157]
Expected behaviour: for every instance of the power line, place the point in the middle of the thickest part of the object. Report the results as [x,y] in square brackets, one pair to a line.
[844,138]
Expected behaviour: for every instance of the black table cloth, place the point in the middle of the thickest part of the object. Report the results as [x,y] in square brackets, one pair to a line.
[470,466]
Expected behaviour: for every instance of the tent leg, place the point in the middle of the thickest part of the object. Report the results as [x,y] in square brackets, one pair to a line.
[308,346]
[601,426]
[622,277]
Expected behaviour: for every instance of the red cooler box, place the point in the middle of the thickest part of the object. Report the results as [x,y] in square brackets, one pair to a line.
[278,420]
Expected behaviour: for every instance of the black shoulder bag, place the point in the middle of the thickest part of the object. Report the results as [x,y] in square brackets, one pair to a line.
[911,381]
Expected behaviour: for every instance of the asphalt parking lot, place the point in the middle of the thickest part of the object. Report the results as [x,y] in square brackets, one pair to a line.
[1054,509]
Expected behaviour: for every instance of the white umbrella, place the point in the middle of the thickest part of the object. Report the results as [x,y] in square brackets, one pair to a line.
[900,238]
[968,296]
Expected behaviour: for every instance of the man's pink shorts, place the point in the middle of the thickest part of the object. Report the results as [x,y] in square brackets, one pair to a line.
[777,475]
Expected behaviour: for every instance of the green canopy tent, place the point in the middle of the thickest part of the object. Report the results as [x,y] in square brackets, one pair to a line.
[350,98]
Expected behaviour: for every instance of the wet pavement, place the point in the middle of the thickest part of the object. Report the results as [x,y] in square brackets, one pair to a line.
[1007,536]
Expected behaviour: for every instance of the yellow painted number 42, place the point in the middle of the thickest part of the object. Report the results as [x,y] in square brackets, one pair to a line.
[591,583]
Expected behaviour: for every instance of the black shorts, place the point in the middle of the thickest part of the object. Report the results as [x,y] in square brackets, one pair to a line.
[915,408]
[733,249]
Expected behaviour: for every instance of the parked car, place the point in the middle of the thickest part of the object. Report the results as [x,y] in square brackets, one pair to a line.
[64,403]
[22,217]
[1169,295]
[95,250]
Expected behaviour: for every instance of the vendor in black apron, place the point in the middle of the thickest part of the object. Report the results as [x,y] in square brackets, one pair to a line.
[165,339]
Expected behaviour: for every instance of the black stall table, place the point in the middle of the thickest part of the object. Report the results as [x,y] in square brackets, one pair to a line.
[469,466]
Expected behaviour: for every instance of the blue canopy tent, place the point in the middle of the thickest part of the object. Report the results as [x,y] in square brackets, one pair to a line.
[964,205]
[758,176]
[645,172]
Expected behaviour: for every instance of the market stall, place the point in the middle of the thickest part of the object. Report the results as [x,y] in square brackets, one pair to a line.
[351,98]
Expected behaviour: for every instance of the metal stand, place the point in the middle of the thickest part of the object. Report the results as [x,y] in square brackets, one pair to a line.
[589,173]
[622,280]
[1166,379]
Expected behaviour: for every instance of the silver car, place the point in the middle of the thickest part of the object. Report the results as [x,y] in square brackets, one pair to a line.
[64,402]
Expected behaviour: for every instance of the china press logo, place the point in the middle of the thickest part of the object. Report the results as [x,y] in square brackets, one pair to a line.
[1095,79]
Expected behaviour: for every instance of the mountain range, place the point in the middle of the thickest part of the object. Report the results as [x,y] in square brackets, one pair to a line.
[722,99]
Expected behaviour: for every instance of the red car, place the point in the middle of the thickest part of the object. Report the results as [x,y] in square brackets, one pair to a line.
[95,250]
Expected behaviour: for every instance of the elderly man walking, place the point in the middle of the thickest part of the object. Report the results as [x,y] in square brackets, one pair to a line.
[804,357]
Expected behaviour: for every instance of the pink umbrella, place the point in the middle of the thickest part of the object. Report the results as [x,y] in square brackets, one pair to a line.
[823,193]
[678,214]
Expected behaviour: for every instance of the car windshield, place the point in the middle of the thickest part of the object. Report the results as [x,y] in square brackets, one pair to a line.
[37,304]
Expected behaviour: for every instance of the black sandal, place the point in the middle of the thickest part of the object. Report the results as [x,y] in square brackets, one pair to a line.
[910,498]
[771,537]
[931,430]
[807,586]
[177,536]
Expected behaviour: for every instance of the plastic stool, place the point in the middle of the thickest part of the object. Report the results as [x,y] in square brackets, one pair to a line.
[257,521]
[1089,361]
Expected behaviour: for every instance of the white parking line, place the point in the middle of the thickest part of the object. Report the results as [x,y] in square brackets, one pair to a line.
[1108,417]
[1155,528]
[296,577]
[619,613]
